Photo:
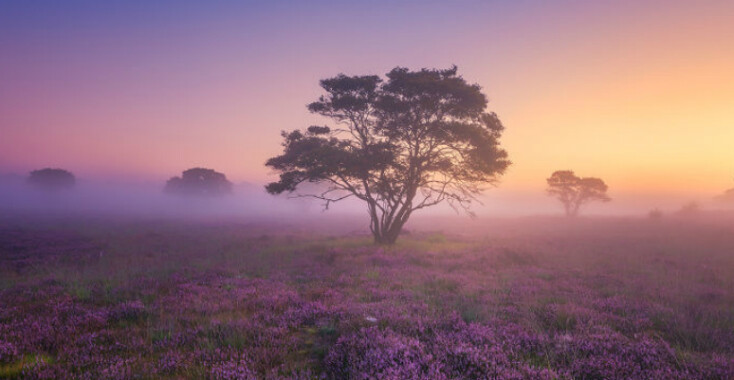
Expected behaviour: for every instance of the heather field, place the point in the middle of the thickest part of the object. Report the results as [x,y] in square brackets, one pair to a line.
[95,298]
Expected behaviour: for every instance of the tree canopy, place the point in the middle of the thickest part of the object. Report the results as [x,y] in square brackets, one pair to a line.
[199,182]
[52,179]
[573,191]
[414,140]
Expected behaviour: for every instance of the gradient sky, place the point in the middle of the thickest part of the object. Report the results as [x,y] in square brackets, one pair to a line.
[639,93]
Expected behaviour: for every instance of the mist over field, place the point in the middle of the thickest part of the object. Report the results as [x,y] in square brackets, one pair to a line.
[118,282]
[358,190]
[143,199]
[251,201]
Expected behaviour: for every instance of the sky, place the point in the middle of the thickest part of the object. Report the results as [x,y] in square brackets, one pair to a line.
[638,93]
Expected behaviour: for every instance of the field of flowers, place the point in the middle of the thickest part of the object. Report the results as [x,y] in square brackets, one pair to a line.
[614,299]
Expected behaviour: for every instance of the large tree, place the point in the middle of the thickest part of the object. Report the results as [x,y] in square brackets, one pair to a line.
[573,191]
[414,140]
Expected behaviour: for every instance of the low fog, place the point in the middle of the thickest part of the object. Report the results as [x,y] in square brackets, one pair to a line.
[250,201]
[91,196]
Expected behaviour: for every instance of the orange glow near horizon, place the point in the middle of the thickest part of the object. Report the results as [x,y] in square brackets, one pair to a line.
[639,94]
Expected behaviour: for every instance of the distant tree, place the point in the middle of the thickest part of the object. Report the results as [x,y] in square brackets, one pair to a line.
[199,182]
[689,209]
[655,214]
[51,179]
[418,139]
[573,191]
[728,196]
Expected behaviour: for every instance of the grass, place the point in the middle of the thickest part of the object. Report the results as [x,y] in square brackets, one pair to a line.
[287,299]
[17,369]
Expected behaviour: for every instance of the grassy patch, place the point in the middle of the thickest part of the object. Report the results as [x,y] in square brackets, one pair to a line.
[16,369]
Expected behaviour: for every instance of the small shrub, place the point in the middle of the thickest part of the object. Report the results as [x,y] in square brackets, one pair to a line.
[689,209]
[130,311]
[655,214]
[8,352]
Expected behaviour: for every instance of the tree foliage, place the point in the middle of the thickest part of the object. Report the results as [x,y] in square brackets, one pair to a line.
[573,191]
[414,140]
[199,182]
[52,179]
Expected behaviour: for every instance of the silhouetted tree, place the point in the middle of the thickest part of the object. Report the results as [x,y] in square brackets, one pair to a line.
[199,182]
[574,191]
[655,214]
[418,139]
[51,179]
[689,209]
[728,196]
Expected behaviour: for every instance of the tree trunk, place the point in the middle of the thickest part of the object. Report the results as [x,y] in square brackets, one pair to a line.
[387,234]
[575,211]
[385,240]
[387,227]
